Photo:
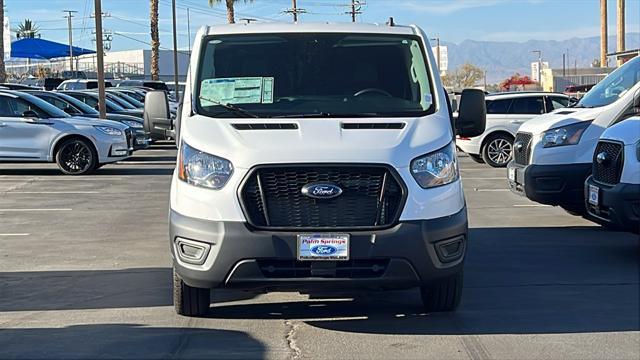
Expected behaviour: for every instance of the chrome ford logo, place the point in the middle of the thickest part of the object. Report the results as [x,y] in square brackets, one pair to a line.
[321,190]
[602,157]
[324,250]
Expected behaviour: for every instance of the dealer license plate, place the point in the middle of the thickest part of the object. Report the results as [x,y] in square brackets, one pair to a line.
[594,194]
[333,247]
[512,174]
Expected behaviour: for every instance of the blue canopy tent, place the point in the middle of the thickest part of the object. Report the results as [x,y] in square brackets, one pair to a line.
[43,49]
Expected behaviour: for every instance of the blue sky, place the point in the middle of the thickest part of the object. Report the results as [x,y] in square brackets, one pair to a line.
[451,20]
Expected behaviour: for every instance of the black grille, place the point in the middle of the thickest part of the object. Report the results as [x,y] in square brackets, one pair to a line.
[366,268]
[272,197]
[129,136]
[609,169]
[522,154]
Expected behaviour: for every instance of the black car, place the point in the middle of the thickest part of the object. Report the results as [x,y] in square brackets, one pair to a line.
[91,98]
[75,107]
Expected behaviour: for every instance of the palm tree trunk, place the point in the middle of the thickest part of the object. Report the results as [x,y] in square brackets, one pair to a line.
[155,40]
[3,72]
[231,14]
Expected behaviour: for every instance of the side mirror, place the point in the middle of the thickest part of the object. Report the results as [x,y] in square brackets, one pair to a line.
[30,114]
[157,118]
[472,113]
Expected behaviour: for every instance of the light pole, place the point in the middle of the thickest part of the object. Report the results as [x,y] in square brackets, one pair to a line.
[100,60]
[70,26]
[175,51]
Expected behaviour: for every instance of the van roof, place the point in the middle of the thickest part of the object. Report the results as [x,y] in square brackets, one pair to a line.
[308,27]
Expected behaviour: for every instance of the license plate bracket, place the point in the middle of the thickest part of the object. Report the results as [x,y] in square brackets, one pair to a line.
[594,195]
[323,247]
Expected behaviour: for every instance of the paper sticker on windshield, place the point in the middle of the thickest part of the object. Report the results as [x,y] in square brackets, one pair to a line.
[246,90]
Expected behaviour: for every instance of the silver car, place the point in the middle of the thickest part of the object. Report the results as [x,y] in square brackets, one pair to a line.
[32,130]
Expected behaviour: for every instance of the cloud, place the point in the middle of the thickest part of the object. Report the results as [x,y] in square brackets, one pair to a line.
[445,7]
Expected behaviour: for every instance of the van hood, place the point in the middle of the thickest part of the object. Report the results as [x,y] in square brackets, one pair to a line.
[558,118]
[625,131]
[321,140]
[85,121]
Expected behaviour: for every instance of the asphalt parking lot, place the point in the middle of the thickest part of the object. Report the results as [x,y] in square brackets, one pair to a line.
[85,272]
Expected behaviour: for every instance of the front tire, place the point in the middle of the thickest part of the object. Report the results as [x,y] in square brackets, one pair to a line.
[498,150]
[189,301]
[76,157]
[442,295]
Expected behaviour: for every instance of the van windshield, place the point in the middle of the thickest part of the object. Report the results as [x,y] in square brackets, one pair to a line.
[308,75]
[614,86]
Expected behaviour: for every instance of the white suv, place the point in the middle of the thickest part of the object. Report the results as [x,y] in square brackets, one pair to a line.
[317,156]
[505,113]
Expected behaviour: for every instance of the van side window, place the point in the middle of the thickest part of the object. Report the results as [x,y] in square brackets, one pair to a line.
[498,106]
[528,105]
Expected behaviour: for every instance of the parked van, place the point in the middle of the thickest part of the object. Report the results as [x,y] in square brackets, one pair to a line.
[317,156]
[612,192]
[505,113]
[553,153]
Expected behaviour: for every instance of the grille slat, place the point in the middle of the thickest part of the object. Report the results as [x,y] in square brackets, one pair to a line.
[521,156]
[608,171]
[367,201]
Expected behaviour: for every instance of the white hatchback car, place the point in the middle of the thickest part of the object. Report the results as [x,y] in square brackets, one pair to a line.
[505,113]
[32,130]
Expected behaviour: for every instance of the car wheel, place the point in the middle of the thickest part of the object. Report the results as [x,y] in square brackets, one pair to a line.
[443,294]
[476,158]
[189,301]
[497,150]
[76,157]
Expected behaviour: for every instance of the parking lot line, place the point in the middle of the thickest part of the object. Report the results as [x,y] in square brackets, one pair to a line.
[487,190]
[50,192]
[23,210]
[15,234]
[146,163]
[483,178]
[60,179]
[531,205]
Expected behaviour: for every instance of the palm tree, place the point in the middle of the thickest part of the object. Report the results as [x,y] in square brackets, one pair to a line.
[27,30]
[155,40]
[3,72]
[231,14]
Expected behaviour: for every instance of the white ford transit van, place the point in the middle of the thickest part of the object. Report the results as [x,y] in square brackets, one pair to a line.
[314,157]
[553,153]
[612,192]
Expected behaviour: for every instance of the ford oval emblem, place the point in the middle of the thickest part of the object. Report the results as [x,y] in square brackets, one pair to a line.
[519,146]
[324,250]
[602,157]
[321,190]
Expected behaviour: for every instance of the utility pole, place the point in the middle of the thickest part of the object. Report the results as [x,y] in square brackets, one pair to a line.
[189,29]
[70,26]
[356,9]
[295,11]
[604,37]
[620,27]
[100,59]
[175,50]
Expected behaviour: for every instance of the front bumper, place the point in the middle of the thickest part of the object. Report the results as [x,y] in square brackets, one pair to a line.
[412,253]
[618,205]
[558,185]
[140,140]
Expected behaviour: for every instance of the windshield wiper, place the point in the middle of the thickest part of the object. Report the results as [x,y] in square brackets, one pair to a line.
[327,115]
[232,108]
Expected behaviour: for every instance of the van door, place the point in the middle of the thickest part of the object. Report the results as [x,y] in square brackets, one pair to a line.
[523,109]
[23,138]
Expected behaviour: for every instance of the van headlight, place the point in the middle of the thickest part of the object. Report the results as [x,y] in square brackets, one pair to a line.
[201,169]
[437,168]
[565,135]
[111,131]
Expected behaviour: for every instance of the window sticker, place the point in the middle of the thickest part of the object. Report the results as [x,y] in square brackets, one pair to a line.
[242,90]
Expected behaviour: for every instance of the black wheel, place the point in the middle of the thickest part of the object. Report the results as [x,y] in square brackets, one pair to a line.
[76,157]
[189,301]
[497,150]
[476,158]
[443,294]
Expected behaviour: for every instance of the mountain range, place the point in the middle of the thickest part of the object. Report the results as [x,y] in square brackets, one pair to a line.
[503,59]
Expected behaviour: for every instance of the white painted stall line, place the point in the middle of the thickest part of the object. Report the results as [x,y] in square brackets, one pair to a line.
[483,178]
[7,235]
[489,190]
[26,210]
[531,205]
[52,192]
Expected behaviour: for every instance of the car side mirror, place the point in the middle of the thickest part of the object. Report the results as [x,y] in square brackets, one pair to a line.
[472,113]
[30,114]
[156,109]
